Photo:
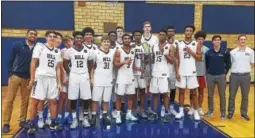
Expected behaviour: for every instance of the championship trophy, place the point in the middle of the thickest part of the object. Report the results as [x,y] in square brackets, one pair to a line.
[146,61]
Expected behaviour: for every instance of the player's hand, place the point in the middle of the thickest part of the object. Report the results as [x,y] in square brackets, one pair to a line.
[178,77]
[59,87]
[130,61]
[188,50]
[30,84]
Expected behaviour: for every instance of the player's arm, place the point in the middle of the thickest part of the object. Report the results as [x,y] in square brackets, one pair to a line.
[170,57]
[33,63]
[116,60]
[65,65]
[59,76]
[197,55]
[227,61]
[177,63]
[252,59]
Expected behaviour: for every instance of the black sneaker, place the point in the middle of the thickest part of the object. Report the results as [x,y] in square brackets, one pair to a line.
[165,119]
[230,116]
[54,126]
[93,120]
[23,124]
[31,129]
[106,119]
[245,117]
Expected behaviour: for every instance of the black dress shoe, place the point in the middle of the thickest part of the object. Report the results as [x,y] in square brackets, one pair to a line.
[24,124]
[245,117]
[230,116]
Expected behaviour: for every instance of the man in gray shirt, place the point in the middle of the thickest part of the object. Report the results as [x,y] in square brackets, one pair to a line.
[201,72]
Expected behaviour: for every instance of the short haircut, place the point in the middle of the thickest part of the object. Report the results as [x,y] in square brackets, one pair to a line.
[50,32]
[67,38]
[105,37]
[216,36]
[31,30]
[147,22]
[200,34]
[190,26]
[88,30]
[163,30]
[75,33]
[112,32]
[119,27]
[137,31]
[241,35]
[59,34]
[125,35]
[170,27]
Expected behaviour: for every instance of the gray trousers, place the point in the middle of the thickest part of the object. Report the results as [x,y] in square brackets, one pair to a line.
[237,80]
[220,81]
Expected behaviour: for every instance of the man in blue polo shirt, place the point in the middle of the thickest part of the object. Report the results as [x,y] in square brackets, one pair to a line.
[217,64]
[19,74]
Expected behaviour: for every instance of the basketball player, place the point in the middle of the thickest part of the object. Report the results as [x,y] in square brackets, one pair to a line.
[160,74]
[113,37]
[151,40]
[201,72]
[123,60]
[172,73]
[140,83]
[40,123]
[68,42]
[188,52]
[102,79]
[79,81]
[43,79]
[89,46]
[119,31]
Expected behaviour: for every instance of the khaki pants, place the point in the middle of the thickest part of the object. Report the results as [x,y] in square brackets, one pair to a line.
[13,84]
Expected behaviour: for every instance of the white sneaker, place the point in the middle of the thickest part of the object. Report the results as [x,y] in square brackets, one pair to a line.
[40,123]
[196,116]
[118,119]
[191,111]
[200,111]
[48,121]
[81,114]
[74,124]
[129,116]
[85,122]
[114,114]
[172,111]
[179,115]
[163,111]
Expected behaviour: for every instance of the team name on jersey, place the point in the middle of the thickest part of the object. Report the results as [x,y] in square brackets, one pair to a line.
[50,56]
[106,59]
[78,57]
[159,53]
[138,50]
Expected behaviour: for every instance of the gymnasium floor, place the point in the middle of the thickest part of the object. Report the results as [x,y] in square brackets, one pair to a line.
[212,127]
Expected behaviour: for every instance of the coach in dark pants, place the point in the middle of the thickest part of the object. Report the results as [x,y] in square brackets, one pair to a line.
[19,74]
[217,64]
[242,59]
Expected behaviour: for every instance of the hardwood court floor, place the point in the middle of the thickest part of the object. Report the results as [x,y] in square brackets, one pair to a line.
[236,127]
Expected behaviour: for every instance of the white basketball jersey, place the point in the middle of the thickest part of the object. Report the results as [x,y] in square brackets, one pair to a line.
[160,67]
[187,66]
[125,72]
[104,68]
[138,50]
[171,66]
[78,59]
[152,40]
[91,48]
[118,44]
[48,59]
